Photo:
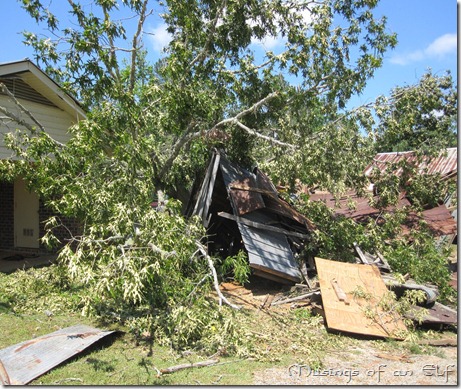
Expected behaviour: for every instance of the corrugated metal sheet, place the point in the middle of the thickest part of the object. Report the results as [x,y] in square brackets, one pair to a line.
[446,165]
[269,251]
[439,219]
[361,207]
[28,360]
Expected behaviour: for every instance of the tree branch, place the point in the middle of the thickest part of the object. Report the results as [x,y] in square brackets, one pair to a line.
[265,137]
[215,278]
[188,136]
[134,53]
[201,56]
[22,108]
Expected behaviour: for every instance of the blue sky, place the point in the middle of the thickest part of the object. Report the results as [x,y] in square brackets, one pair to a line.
[426,29]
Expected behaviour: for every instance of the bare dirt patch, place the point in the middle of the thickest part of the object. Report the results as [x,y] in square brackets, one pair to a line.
[367,365]
[363,362]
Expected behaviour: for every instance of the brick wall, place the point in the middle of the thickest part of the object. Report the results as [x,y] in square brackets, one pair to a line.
[6,214]
[7,220]
[70,226]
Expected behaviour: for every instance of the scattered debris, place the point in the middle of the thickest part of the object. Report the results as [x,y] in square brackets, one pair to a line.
[447,342]
[306,296]
[23,362]
[242,210]
[346,310]
[183,366]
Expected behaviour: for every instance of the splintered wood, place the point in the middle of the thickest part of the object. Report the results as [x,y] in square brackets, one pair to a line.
[353,296]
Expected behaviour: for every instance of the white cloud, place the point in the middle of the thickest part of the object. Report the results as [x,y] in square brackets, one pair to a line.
[440,47]
[271,42]
[159,37]
[443,45]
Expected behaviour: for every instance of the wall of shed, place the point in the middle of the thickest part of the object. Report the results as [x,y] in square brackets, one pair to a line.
[55,120]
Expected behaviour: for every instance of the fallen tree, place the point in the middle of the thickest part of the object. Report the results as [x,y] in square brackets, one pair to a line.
[151,126]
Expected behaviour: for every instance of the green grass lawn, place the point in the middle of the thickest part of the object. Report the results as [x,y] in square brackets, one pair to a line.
[280,338]
[119,359]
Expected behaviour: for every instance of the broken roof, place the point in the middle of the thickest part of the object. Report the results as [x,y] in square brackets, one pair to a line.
[266,224]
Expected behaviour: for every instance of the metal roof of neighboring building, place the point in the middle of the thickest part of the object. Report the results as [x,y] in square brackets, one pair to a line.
[445,164]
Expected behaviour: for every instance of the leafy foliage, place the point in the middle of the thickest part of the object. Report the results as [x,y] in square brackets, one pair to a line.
[419,117]
[424,261]
[150,127]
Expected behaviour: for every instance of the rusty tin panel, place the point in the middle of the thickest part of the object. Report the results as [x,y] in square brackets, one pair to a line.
[264,181]
[438,314]
[361,208]
[445,165]
[439,219]
[246,201]
[28,360]
[242,188]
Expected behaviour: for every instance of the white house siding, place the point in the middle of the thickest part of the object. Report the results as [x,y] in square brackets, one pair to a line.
[55,121]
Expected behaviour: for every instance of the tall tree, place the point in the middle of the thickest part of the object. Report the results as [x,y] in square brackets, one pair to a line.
[214,84]
[419,117]
[151,125]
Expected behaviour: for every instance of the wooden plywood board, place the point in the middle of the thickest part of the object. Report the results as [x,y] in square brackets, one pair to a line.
[352,296]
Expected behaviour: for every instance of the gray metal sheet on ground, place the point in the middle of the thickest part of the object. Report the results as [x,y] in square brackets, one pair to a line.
[28,360]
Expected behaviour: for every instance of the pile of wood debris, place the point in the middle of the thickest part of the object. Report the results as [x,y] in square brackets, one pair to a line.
[242,210]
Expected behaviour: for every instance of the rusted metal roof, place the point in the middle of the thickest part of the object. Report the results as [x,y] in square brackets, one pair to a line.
[445,164]
[25,361]
[360,209]
[439,219]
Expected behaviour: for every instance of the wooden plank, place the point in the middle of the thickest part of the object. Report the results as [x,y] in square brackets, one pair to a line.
[363,314]
[200,204]
[247,188]
[272,274]
[209,194]
[339,292]
[362,256]
[183,366]
[304,296]
[262,226]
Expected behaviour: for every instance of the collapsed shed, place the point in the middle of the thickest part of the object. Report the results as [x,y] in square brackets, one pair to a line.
[241,209]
